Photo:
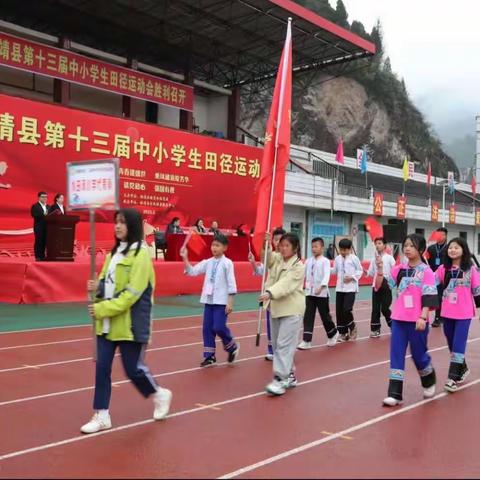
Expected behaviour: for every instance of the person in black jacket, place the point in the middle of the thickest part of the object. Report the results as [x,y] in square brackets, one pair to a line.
[436,255]
[58,206]
[39,211]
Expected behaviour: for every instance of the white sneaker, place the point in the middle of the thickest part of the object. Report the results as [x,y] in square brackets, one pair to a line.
[429,392]
[465,374]
[305,345]
[292,380]
[391,402]
[276,387]
[269,357]
[451,386]
[100,421]
[161,400]
[331,342]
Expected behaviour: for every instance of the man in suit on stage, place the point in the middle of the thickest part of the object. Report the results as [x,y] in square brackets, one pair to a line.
[39,211]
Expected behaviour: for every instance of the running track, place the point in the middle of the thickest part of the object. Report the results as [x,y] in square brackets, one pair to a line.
[221,423]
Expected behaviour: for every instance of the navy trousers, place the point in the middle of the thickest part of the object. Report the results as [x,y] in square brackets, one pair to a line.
[215,323]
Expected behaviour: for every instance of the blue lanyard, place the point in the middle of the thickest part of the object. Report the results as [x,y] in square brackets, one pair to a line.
[439,250]
[407,272]
[214,270]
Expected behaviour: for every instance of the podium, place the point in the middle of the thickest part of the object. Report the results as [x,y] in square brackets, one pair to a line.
[60,237]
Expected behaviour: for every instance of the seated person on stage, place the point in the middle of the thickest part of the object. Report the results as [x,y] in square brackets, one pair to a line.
[214,227]
[39,211]
[57,208]
[199,227]
[174,226]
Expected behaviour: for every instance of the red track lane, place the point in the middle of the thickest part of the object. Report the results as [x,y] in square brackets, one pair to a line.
[211,443]
[437,440]
[206,387]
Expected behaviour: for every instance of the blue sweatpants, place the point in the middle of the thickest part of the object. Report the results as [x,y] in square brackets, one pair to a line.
[269,334]
[404,333]
[132,354]
[215,323]
[456,332]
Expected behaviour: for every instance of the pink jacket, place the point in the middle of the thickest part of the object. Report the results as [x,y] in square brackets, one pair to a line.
[461,292]
[416,289]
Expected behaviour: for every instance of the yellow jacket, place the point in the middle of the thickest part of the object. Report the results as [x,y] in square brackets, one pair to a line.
[285,284]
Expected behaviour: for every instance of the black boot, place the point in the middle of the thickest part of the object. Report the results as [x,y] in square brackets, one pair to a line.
[395,393]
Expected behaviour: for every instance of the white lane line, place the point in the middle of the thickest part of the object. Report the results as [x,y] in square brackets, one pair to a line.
[158,375]
[342,434]
[155,349]
[227,402]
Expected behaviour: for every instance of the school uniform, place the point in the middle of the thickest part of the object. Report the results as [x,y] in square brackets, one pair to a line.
[317,275]
[416,289]
[346,292]
[218,285]
[461,295]
[436,255]
[381,298]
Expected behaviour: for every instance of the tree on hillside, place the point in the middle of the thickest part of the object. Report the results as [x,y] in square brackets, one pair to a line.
[342,15]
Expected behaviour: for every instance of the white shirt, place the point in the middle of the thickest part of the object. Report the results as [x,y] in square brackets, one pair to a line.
[388,264]
[110,277]
[44,208]
[349,266]
[61,208]
[219,280]
[317,274]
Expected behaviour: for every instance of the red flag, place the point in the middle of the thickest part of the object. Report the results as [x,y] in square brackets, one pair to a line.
[429,174]
[374,228]
[276,152]
[474,186]
[339,156]
[435,236]
[195,243]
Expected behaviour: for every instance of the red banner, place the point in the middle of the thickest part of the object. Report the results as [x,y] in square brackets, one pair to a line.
[401,207]
[452,213]
[435,213]
[163,172]
[54,62]
[378,204]
[477,216]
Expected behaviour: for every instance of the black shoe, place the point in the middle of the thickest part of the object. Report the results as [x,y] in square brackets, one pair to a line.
[436,323]
[209,361]
[232,356]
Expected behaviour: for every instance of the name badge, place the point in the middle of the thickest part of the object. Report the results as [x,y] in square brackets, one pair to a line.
[408,301]
[437,261]
[208,289]
[452,298]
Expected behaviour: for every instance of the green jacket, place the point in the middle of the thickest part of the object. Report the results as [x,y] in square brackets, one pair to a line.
[130,311]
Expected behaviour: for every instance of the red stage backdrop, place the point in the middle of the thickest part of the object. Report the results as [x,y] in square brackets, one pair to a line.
[164,172]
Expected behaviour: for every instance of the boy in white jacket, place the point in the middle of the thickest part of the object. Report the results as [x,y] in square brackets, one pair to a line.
[317,276]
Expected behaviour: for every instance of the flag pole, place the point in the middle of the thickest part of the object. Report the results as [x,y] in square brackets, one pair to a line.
[93,275]
[272,188]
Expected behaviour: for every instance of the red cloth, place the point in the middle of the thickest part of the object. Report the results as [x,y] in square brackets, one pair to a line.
[57,282]
[238,248]
[339,156]
[429,174]
[374,228]
[277,139]
[474,185]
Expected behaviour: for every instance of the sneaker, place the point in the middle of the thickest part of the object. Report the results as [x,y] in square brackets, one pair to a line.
[276,387]
[331,342]
[451,386]
[353,333]
[161,400]
[292,380]
[392,402]
[375,334]
[209,361]
[269,357]
[232,356]
[429,392]
[99,422]
[343,337]
[305,345]
[436,323]
[465,374]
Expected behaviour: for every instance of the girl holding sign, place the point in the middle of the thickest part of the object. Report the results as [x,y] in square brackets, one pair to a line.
[417,295]
[122,313]
[460,284]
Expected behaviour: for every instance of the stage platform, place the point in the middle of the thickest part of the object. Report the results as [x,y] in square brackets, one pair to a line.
[29,282]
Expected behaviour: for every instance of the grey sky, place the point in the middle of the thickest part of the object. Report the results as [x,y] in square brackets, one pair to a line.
[434,45]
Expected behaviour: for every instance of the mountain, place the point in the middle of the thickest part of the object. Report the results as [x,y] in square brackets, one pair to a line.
[366,104]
